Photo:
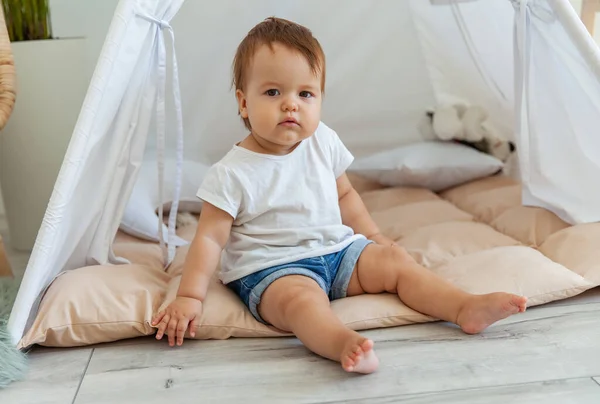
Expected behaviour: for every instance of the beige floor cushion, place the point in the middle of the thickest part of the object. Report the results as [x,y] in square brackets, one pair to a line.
[401,220]
[476,235]
[528,224]
[577,248]
[441,242]
[382,199]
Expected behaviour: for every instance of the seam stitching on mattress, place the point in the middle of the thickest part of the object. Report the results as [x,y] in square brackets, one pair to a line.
[411,317]
[591,285]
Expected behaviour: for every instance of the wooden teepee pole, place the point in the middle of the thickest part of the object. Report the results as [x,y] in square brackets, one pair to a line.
[589,9]
[8,91]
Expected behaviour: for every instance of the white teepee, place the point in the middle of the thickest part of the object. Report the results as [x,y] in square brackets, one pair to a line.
[530,63]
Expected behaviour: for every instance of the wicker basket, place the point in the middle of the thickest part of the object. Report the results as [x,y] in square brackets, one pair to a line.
[7,102]
[7,74]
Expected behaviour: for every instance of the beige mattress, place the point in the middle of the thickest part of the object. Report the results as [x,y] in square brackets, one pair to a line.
[477,235]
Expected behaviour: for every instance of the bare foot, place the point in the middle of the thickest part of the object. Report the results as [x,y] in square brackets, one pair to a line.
[481,311]
[358,356]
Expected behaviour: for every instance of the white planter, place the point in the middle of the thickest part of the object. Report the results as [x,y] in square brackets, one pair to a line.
[52,79]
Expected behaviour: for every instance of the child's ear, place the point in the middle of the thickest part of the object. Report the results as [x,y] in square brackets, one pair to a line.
[241,99]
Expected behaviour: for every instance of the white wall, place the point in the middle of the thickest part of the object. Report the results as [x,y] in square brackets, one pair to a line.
[83,18]
[576,5]
[80,18]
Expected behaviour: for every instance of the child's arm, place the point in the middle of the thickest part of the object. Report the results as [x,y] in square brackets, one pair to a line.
[355,214]
[201,262]
[204,253]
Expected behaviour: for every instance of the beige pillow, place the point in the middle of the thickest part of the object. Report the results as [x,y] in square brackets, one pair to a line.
[391,197]
[140,253]
[176,267]
[577,248]
[124,298]
[98,304]
[225,316]
[441,242]
[513,269]
[399,221]
[530,225]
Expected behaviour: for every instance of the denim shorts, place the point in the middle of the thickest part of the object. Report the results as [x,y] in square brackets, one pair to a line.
[332,272]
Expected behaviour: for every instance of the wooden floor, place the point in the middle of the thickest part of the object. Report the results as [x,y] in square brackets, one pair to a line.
[550,354]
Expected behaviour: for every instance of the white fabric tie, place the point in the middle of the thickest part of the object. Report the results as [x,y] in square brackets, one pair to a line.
[538,9]
[169,252]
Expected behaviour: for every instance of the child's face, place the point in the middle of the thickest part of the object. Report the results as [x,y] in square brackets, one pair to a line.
[282,98]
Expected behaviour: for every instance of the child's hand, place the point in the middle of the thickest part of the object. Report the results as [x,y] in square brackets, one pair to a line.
[183,311]
[382,240]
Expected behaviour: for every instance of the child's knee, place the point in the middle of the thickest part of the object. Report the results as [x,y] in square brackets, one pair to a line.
[393,260]
[299,299]
[291,294]
[395,255]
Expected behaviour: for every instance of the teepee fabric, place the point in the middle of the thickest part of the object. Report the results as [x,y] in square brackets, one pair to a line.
[105,153]
[161,91]
[468,49]
[557,70]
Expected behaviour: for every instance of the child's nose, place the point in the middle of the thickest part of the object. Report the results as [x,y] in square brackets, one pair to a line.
[289,104]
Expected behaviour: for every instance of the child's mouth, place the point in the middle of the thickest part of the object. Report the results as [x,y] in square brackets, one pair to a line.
[289,122]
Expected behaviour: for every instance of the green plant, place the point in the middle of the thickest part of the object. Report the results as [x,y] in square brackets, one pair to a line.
[27,19]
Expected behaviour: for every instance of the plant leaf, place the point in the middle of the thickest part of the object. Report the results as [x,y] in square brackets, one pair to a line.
[27,19]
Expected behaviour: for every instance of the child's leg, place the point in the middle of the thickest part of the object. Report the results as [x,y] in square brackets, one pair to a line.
[391,269]
[297,304]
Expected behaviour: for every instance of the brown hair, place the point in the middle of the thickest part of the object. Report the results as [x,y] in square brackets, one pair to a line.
[285,32]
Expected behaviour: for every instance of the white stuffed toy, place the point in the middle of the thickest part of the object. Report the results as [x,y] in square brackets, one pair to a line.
[466,125]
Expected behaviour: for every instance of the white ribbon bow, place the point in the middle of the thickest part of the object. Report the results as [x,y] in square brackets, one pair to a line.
[169,252]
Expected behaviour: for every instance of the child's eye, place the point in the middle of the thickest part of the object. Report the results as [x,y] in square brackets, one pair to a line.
[272,92]
[305,94]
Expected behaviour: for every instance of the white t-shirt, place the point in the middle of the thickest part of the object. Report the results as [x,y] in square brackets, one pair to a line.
[285,208]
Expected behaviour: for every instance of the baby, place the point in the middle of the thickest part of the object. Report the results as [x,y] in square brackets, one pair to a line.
[290,232]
